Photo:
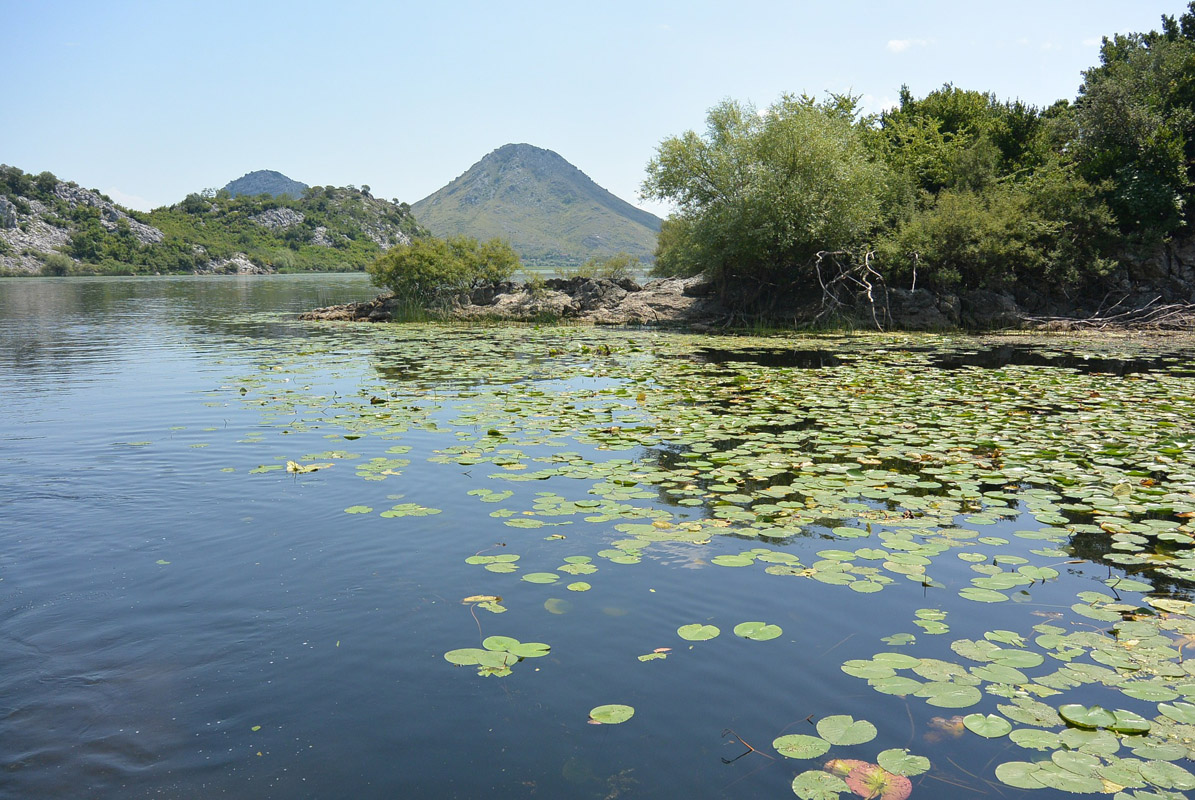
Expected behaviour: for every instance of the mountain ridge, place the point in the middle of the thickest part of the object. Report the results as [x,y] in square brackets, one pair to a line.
[51,226]
[547,208]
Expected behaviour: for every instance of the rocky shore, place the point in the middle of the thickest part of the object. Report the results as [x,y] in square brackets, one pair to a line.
[598,301]
[694,303]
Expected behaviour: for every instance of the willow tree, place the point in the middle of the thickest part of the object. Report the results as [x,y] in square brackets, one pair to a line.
[763,192]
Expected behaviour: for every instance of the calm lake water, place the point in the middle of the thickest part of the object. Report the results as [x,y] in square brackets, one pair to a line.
[234,549]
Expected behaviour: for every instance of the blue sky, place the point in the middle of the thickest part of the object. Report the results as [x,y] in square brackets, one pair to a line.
[148,101]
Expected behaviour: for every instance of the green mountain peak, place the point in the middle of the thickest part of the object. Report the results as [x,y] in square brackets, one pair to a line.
[547,208]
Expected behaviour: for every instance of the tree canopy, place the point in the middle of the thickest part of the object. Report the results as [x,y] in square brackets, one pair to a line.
[957,189]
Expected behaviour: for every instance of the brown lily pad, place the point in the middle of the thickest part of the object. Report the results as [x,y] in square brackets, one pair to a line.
[870,780]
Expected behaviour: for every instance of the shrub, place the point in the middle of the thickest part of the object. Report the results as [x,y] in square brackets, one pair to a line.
[428,271]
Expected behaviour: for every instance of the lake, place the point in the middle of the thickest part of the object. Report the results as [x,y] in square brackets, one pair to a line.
[248,556]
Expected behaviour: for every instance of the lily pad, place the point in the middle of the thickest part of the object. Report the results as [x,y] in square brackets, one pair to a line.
[796,745]
[697,632]
[989,726]
[758,631]
[611,714]
[841,729]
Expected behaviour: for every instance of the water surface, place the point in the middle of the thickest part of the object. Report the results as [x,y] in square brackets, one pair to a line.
[182,616]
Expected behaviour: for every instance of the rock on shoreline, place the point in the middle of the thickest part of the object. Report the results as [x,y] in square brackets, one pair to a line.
[597,301]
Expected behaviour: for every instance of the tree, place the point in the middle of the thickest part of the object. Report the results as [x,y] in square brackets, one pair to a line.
[1134,126]
[429,270]
[762,192]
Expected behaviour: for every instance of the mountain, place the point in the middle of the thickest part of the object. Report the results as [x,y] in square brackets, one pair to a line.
[55,227]
[548,209]
[266,181]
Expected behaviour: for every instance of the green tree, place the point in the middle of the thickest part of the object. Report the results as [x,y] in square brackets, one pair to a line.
[762,192]
[1133,127]
[429,270]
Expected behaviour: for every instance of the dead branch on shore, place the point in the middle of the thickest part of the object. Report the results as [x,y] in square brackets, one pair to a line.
[1151,316]
[844,279]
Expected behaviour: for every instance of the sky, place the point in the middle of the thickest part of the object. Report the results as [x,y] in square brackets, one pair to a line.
[149,101]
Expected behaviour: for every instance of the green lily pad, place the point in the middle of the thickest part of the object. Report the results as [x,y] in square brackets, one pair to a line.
[541,577]
[843,730]
[901,762]
[818,785]
[758,631]
[797,745]
[988,726]
[611,714]
[697,632]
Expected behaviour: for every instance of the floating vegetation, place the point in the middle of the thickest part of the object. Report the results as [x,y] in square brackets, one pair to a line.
[1030,505]
[610,714]
[496,655]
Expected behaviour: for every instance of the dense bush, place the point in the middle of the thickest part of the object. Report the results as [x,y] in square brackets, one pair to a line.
[429,271]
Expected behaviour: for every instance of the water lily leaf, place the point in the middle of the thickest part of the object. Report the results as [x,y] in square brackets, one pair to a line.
[499,642]
[901,762]
[1179,712]
[999,673]
[758,631]
[988,726]
[697,632]
[980,595]
[945,695]
[800,746]
[1019,774]
[358,510]
[541,577]
[1034,739]
[1167,775]
[556,605]
[529,649]
[732,561]
[579,586]
[611,714]
[1129,723]
[897,685]
[1076,762]
[1086,716]
[843,730]
[870,780]
[818,785]
[860,668]
[1005,637]
[899,639]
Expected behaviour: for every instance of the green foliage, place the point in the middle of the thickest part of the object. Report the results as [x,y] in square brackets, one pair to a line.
[430,270]
[761,193]
[1134,125]
[56,264]
[1048,230]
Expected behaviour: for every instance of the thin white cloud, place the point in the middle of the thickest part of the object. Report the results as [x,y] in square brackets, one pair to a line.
[901,45]
[1093,41]
[877,104]
[129,200]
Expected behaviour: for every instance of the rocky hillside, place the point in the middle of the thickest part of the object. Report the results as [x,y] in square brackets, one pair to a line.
[548,209]
[41,217]
[50,226]
[266,181]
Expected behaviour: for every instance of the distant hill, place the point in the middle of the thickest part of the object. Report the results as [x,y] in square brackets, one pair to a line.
[55,227]
[266,181]
[548,209]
